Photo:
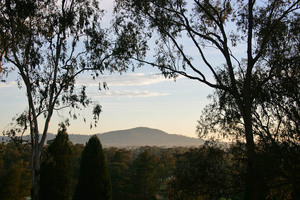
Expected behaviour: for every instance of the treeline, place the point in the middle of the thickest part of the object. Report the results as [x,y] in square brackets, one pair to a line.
[146,173]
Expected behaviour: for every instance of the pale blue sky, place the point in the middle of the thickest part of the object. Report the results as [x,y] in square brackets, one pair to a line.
[140,98]
[133,99]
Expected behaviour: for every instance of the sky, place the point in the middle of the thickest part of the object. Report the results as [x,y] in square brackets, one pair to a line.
[135,99]
[142,98]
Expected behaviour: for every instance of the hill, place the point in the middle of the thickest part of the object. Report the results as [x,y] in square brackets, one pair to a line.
[140,136]
[146,137]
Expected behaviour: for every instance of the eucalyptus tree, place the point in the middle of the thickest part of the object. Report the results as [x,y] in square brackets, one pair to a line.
[49,43]
[182,33]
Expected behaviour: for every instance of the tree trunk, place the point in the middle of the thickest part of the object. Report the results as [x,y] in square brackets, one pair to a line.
[35,173]
[254,187]
[251,168]
[254,183]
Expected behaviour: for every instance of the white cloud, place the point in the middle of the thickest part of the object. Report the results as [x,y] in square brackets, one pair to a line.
[133,79]
[127,94]
[8,84]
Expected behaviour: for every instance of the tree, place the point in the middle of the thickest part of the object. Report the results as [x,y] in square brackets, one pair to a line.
[76,156]
[180,27]
[208,172]
[144,181]
[119,170]
[165,169]
[56,168]
[94,181]
[49,43]
[14,171]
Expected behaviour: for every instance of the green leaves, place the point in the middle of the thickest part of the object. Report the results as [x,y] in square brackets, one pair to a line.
[96,113]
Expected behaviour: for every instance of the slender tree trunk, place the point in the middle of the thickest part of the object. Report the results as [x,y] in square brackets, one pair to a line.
[35,170]
[35,167]
[36,175]
[251,168]
[32,173]
[254,185]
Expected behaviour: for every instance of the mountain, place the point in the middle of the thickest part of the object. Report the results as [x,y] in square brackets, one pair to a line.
[140,136]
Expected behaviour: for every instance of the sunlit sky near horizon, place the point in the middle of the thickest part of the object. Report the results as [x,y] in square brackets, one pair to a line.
[135,99]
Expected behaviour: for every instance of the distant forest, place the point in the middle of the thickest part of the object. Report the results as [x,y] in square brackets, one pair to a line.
[209,171]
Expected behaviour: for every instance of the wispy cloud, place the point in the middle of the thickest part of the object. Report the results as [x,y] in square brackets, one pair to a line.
[8,84]
[127,94]
[133,79]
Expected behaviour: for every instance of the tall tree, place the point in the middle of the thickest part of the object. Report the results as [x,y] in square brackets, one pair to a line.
[56,168]
[144,181]
[181,27]
[119,170]
[76,155]
[49,43]
[94,181]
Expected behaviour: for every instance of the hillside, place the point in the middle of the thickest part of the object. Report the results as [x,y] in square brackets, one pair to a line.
[140,136]
[146,137]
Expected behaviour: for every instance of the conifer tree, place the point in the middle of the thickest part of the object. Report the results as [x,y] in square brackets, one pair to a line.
[56,169]
[144,182]
[94,182]
[119,170]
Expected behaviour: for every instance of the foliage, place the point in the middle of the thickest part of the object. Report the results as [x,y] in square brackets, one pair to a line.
[119,170]
[14,172]
[56,168]
[76,157]
[94,181]
[208,172]
[279,165]
[129,167]
[144,179]
[214,172]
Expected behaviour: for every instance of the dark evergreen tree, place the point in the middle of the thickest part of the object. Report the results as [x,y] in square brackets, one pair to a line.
[76,156]
[119,169]
[94,182]
[144,183]
[56,168]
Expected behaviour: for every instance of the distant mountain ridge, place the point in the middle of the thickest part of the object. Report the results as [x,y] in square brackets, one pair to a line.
[140,136]
[143,136]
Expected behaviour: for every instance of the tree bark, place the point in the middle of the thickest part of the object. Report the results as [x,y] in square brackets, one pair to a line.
[252,164]
[36,176]
[255,188]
